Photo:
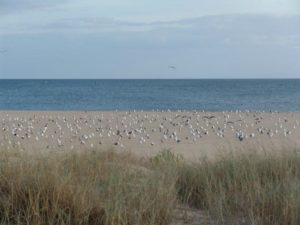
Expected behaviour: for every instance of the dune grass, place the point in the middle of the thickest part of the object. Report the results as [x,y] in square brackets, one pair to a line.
[109,188]
[247,188]
[83,188]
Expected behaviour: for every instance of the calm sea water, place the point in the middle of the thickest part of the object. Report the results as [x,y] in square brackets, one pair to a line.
[211,95]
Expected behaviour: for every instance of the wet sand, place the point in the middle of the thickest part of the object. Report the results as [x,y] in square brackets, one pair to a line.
[189,133]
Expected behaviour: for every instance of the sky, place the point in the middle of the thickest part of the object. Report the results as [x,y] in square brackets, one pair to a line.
[149,39]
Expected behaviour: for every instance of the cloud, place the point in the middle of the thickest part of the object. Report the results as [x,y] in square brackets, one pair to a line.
[138,16]
[225,30]
[259,30]
[8,6]
[88,25]
[211,46]
[244,24]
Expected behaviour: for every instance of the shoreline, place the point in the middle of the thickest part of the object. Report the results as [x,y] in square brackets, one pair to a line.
[145,111]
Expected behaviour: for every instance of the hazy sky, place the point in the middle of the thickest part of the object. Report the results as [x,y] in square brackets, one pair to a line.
[143,38]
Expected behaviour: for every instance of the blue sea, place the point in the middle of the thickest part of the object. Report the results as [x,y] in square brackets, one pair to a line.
[209,95]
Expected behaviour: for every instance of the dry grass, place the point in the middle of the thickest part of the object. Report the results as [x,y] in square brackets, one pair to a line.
[252,188]
[107,188]
[83,188]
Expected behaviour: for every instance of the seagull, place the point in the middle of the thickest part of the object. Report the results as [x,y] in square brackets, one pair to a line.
[173,67]
[3,51]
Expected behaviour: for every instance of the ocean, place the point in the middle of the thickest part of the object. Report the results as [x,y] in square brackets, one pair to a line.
[208,95]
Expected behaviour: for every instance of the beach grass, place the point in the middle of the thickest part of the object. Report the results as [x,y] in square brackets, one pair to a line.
[110,188]
[246,188]
[83,188]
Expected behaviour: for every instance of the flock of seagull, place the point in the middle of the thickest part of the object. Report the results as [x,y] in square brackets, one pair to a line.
[123,129]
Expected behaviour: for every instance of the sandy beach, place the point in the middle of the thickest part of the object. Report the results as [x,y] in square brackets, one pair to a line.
[190,134]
